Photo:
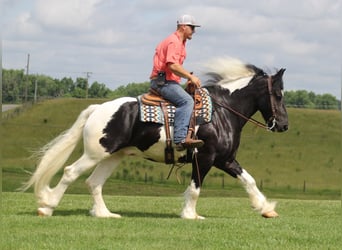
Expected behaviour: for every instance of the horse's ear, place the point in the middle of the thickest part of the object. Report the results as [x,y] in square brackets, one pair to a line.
[279,76]
[281,72]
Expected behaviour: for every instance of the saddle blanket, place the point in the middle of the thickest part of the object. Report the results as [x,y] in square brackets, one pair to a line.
[149,113]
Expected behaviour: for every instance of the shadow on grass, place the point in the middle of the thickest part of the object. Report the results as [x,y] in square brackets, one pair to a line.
[85,212]
[133,214]
[74,212]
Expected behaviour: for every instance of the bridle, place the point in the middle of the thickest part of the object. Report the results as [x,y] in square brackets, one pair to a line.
[273,118]
[251,120]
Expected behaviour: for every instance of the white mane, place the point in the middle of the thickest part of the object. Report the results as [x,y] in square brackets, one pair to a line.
[230,69]
[230,73]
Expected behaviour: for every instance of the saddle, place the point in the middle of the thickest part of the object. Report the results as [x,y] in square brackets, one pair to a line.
[154,108]
[153,98]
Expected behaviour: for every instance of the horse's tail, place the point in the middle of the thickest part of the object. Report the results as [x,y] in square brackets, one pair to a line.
[54,154]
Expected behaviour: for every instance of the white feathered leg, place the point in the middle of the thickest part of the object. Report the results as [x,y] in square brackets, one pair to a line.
[258,200]
[191,195]
[95,183]
[49,198]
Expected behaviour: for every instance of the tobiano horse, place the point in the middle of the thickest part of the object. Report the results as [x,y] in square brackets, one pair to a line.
[237,91]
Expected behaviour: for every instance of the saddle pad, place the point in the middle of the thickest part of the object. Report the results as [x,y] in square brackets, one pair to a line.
[155,114]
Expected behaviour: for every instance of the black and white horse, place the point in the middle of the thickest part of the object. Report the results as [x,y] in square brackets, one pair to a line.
[237,90]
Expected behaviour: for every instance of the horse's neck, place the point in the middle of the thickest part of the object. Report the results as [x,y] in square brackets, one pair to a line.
[237,107]
[245,108]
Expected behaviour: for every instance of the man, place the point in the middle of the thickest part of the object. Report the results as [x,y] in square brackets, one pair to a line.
[166,76]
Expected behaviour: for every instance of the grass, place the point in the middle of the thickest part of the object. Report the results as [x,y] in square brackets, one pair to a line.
[153,223]
[232,188]
[308,156]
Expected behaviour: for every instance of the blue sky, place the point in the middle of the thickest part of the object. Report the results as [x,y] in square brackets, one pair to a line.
[115,40]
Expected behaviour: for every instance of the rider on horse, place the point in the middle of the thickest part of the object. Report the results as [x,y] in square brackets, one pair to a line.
[166,75]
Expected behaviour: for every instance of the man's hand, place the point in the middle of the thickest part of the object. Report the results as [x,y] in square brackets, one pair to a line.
[180,71]
[195,81]
[192,84]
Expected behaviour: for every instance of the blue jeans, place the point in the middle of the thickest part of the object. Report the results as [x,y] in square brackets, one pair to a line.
[174,92]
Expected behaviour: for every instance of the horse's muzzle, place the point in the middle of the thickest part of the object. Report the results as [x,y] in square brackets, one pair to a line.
[280,127]
[275,126]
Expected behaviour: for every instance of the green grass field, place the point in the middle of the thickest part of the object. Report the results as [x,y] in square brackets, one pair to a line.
[304,162]
[153,223]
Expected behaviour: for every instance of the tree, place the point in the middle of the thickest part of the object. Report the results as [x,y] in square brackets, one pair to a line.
[131,89]
[12,85]
[46,86]
[298,99]
[303,99]
[98,90]
[326,101]
[66,86]
[80,88]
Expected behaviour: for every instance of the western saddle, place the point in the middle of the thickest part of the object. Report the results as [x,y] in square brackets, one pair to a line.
[153,98]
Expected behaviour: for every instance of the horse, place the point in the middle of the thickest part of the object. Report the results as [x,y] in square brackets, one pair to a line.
[113,130]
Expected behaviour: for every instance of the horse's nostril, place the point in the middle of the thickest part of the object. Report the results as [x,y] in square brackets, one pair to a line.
[285,128]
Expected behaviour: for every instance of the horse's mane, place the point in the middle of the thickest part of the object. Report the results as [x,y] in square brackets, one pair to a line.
[226,70]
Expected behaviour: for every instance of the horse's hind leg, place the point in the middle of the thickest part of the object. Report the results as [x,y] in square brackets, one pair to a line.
[95,183]
[49,198]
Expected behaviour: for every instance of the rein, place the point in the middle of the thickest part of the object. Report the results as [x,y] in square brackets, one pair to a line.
[251,120]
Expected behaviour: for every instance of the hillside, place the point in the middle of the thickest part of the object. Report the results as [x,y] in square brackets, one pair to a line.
[306,158]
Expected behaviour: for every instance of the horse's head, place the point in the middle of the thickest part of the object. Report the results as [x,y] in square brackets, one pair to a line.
[272,107]
[246,80]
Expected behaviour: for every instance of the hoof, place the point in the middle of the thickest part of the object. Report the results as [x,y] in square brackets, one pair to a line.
[112,215]
[270,214]
[195,217]
[198,217]
[106,214]
[44,212]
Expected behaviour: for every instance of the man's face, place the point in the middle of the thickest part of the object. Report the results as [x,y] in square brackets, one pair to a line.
[189,31]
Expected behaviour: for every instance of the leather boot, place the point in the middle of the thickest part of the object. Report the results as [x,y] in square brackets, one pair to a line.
[189,143]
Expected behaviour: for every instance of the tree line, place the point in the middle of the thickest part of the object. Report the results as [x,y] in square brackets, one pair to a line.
[305,99]
[19,88]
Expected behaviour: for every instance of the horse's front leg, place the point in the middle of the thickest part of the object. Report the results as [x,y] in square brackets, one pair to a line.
[192,193]
[258,200]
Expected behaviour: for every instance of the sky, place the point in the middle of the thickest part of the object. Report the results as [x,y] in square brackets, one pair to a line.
[115,40]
